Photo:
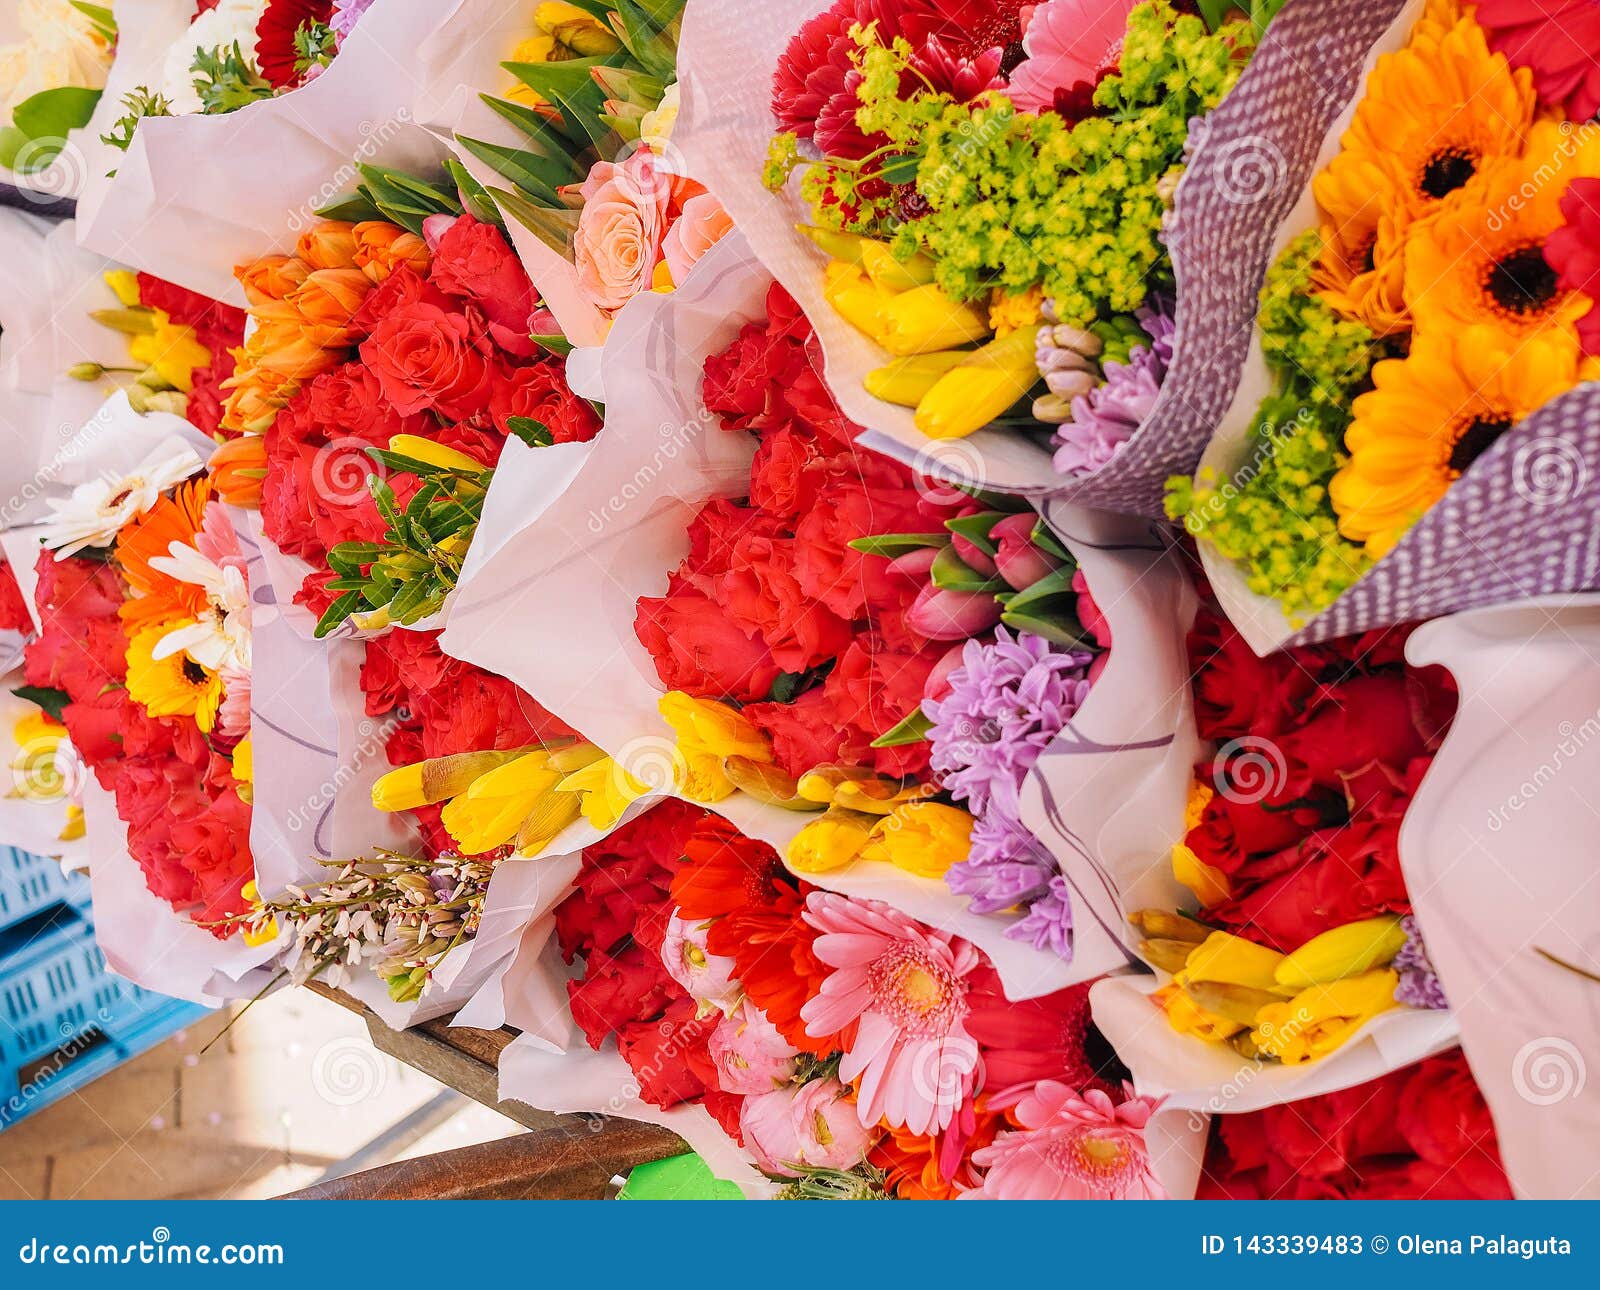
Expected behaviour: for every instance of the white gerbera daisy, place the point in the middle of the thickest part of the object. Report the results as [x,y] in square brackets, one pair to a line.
[97,511]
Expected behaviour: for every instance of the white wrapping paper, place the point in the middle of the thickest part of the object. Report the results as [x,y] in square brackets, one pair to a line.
[45,328]
[1108,795]
[1497,849]
[195,195]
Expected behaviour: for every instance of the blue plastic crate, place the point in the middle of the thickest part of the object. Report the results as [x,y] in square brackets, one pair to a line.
[29,883]
[64,1018]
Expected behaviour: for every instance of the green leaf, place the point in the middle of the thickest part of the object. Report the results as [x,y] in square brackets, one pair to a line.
[891,545]
[520,166]
[105,22]
[571,90]
[49,114]
[53,701]
[354,209]
[912,730]
[474,196]
[975,528]
[555,228]
[554,343]
[951,573]
[337,612]
[531,431]
[563,161]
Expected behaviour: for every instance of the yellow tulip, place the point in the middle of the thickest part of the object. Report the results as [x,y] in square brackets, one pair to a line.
[708,733]
[924,320]
[980,388]
[892,274]
[1343,951]
[493,810]
[577,29]
[831,841]
[923,838]
[856,298]
[438,780]
[604,791]
[1233,960]
[1188,1018]
[845,248]
[906,381]
[124,284]
[243,767]
[434,454]
[1318,1020]
[1209,884]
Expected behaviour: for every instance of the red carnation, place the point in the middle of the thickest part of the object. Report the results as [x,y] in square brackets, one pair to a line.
[472,260]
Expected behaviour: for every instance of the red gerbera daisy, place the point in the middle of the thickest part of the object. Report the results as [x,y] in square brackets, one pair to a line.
[1573,251]
[1036,1039]
[275,52]
[1557,39]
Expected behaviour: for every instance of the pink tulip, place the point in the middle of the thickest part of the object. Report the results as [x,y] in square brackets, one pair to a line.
[944,615]
[973,556]
[435,227]
[914,565]
[938,683]
[1019,561]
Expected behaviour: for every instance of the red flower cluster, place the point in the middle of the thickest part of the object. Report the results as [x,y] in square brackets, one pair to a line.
[1321,750]
[1423,1131]
[188,828]
[772,600]
[219,327]
[447,356]
[435,706]
[275,52]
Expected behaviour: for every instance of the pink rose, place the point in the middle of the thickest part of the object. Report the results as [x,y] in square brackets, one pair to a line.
[815,1126]
[707,978]
[750,1055]
[627,210]
[701,226]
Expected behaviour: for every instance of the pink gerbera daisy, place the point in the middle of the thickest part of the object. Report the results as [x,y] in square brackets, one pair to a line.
[1071,1148]
[901,987]
[1070,44]
[1557,39]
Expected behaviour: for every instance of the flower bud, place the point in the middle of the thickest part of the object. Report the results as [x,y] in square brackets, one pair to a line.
[943,615]
[1018,560]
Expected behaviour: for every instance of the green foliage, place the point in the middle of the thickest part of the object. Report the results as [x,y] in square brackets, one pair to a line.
[140,102]
[226,80]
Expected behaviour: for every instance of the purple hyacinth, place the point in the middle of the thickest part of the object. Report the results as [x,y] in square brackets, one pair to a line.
[1048,923]
[1007,701]
[1005,866]
[1419,986]
[1106,417]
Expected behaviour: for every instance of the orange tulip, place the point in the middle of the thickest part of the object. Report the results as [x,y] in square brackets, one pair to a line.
[255,398]
[381,248]
[237,469]
[326,301]
[273,277]
[328,245]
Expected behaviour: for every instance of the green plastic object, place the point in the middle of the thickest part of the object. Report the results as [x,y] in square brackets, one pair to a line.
[686,1177]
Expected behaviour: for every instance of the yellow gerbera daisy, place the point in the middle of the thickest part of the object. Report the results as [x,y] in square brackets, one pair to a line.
[1433,116]
[1481,260]
[1431,415]
[175,686]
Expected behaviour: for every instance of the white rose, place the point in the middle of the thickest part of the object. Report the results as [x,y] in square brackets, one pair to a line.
[60,48]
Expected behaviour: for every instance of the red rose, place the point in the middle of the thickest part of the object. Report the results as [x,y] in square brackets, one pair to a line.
[787,471]
[540,391]
[1231,831]
[1352,732]
[1236,693]
[402,288]
[472,260]
[698,649]
[427,358]
[761,593]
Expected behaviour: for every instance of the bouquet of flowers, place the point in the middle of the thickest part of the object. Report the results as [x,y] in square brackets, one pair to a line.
[50,82]
[1428,353]
[853,1051]
[385,372]
[1016,284]
[566,123]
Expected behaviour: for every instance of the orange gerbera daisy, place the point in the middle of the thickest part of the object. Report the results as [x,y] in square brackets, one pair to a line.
[1481,260]
[1433,118]
[939,1167]
[1432,414]
[157,596]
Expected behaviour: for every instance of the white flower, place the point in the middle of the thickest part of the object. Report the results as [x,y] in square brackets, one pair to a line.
[220,638]
[60,48]
[98,510]
[230,21]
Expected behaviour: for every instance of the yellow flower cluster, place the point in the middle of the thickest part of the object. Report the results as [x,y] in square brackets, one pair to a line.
[1289,1008]
[954,387]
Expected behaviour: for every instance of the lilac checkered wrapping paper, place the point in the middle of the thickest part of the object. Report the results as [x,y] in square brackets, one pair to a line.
[1248,163]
